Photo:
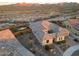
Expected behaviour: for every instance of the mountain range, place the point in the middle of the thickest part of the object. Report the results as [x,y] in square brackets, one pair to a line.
[44,7]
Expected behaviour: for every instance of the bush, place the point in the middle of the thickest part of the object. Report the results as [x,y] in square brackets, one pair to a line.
[61,42]
[47,47]
[14,30]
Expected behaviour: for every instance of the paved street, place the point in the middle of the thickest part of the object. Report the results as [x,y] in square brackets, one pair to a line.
[59,49]
[70,42]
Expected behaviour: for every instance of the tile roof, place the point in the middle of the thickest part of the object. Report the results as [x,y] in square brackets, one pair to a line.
[8,39]
[74,23]
[41,28]
[6,35]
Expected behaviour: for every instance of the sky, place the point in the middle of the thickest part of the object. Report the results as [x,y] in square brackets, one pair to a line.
[3,2]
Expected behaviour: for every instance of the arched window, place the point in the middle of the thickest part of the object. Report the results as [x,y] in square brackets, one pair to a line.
[47,41]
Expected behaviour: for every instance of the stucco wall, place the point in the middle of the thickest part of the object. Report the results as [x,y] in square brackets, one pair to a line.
[71,29]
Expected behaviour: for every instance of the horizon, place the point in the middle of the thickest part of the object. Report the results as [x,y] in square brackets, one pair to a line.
[7,2]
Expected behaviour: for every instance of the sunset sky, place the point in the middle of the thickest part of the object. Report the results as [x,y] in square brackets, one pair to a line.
[35,1]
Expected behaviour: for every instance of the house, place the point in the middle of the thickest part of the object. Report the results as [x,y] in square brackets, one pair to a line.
[11,46]
[73,26]
[47,33]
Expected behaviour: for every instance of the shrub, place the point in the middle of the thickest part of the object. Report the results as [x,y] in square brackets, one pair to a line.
[47,47]
[61,42]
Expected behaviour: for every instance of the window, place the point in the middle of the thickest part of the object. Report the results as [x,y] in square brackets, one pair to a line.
[50,31]
[67,26]
[59,38]
[53,39]
[70,27]
[76,34]
[47,41]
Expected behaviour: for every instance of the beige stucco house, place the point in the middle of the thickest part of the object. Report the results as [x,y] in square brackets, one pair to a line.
[48,33]
[73,26]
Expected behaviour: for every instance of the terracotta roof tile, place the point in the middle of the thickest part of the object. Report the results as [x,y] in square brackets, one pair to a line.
[74,23]
[6,35]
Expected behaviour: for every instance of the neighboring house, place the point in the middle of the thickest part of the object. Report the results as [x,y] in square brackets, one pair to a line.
[73,26]
[9,45]
[47,33]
